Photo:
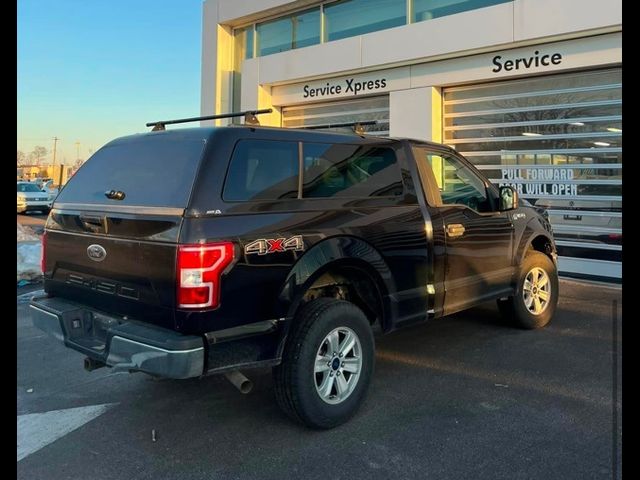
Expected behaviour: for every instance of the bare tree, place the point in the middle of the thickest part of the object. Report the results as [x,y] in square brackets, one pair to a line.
[38,154]
[22,158]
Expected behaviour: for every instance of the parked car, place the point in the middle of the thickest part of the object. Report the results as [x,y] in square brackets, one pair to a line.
[52,192]
[30,198]
[202,251]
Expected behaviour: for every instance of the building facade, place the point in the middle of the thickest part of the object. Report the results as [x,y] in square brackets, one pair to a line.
[528,90]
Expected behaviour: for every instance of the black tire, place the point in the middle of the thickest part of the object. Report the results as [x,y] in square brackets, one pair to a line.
[514,309]
[294,378]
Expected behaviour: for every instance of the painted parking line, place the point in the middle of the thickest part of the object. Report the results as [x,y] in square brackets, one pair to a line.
[37,430]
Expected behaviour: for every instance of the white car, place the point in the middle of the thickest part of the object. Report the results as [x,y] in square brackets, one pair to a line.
[50,189]
[30,197]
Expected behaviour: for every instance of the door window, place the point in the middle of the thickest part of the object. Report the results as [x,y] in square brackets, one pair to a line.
[457,183]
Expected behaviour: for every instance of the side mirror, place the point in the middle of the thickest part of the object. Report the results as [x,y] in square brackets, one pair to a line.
[508,199]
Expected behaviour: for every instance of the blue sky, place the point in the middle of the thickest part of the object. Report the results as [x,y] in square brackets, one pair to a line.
[93,70]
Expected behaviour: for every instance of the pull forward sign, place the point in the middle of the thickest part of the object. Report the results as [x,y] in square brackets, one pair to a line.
[263,246]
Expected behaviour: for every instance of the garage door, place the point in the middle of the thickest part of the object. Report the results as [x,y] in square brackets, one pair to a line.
[344,111]
[558,140]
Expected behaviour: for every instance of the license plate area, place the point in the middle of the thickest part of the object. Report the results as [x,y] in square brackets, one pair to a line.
[88,329]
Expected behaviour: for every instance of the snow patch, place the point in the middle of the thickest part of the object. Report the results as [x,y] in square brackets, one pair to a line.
[28,254]
[29,260]
[25,234]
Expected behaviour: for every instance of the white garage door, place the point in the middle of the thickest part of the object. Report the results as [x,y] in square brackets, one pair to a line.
[558,140]
[343,111]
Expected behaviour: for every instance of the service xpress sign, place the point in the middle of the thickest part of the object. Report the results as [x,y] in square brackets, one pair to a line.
[349,86]
[540,181]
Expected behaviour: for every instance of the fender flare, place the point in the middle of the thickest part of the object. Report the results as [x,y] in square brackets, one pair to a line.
[529,234]
[341,251]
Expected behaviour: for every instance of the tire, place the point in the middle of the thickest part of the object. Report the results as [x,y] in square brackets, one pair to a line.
[515,309]
[296,380]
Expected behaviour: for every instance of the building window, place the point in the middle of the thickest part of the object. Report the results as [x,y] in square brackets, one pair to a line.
[243,39]
[294,31]
[242,49]
[342,19]
[357,17]
[428,9]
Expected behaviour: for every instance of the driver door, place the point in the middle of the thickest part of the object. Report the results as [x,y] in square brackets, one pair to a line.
[478,239]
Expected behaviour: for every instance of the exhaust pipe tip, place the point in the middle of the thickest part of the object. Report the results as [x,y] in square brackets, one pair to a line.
[238,380]
[90,364]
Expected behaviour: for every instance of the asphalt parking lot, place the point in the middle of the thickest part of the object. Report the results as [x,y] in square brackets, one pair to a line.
[32,219]
[463,397]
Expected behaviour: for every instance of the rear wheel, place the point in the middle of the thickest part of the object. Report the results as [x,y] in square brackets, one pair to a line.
[536,299]
[327,364]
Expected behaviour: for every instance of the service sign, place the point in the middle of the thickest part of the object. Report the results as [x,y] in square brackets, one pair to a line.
[342,87]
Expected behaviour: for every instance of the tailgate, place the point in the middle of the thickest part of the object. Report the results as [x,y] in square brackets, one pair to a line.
[112,234]
[123,264]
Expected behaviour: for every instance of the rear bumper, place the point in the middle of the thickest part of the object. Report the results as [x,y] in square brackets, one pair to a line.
[122,344]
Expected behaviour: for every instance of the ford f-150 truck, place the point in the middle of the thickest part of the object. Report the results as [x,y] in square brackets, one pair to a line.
[197,251]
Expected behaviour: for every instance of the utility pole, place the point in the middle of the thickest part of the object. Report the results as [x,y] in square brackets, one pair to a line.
[55,144]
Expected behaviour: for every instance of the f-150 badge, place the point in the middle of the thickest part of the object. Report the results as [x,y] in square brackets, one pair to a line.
[264,246]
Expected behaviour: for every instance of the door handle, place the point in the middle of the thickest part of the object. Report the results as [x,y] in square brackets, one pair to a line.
[93,224]
[455,230]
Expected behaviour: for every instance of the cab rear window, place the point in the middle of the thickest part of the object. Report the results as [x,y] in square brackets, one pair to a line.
[151,171]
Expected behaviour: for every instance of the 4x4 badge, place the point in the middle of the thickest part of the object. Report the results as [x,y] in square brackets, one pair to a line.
[264,246]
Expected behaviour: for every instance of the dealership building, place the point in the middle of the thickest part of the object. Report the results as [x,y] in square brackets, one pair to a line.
[530,91]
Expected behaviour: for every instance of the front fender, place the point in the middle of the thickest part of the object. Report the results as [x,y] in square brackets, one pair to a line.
[530,233]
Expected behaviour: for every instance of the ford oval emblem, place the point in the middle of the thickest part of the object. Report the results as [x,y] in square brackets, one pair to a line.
[97,253]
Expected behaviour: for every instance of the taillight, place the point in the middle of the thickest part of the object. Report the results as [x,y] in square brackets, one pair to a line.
[199,271]
[43,253]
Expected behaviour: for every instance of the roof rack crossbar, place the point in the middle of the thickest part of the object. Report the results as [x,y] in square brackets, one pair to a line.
[357,126]
[249,118]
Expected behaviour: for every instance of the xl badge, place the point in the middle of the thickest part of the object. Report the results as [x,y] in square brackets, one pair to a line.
[264,246]
[96,252]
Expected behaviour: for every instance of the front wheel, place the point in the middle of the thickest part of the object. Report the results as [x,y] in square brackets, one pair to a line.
[536,299]
[327,364]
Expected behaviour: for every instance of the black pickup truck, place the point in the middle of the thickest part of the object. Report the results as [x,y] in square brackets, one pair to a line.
[197,251]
